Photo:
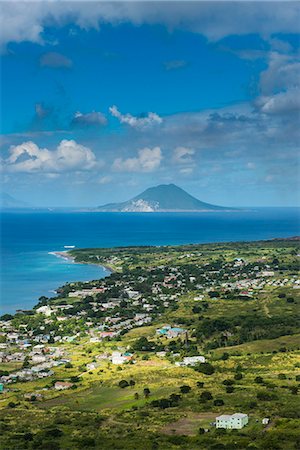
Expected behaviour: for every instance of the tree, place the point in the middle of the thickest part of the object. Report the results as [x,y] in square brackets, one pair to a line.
[205,396]
[185,389]
[238,376]
[259,380]
[218,402]
[123,384]
[225,356]
[229,389]
[205,368]
[132,383]
[201,430]
[200,384]
[136,396]
[146,392]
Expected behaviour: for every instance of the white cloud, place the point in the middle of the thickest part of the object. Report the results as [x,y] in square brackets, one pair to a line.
[68,156]
[183,155]
[136,122]
[89,119]
[281,103]
[24,21]
[147,160]
[283,72]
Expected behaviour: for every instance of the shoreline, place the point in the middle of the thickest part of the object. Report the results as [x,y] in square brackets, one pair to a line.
[66,256]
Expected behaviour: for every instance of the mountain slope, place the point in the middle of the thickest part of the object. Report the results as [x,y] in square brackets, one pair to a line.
[7,201]
[165,197]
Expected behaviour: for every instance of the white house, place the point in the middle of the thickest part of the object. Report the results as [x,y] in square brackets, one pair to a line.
[193,360]
[46,310]
[234,421]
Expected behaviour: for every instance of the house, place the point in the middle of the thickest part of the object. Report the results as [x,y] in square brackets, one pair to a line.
[170,332]
[193,360]
[61,385]
[46,310]
[234,421]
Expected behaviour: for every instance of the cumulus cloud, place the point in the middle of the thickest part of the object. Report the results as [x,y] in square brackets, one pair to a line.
[183,155]
[147,160]
[89,119]
[55,60]
[281,103]
[68,156]
[282,73]
[136,122]
[23,21]
[174,64]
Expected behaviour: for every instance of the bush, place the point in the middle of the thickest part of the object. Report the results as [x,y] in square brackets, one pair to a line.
[205,396]
[201,431]
[185,389]
[200,384]
[123,384]
[205,368]
[258,380]
[228,382]
[218,402]
[225,356]
[229,389]
[282,376]
[238,376]
[266,396]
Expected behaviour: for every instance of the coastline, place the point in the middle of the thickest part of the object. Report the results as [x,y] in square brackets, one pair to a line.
[65,255]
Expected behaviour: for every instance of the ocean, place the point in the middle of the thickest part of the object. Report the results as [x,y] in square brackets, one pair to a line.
[29,270]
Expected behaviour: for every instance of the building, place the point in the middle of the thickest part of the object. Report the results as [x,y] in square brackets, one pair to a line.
[62,385]
[193,360]
[234,421]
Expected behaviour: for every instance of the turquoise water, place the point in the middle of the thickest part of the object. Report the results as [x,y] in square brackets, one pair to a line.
[29,271]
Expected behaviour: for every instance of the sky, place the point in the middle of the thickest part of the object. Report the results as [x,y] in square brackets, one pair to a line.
[101,100]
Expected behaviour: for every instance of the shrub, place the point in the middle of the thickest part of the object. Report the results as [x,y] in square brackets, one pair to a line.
[282,376]
[205,368]
[266,396]
[200,384]
[201,431]
[218,402]
[229,389]
[123,384]
[238,376]
[205,396]
[225,356]
[228,382]
[185,389]
[258,380]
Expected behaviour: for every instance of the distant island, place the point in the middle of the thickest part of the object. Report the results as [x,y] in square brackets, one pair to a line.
[162,198]
[8,201]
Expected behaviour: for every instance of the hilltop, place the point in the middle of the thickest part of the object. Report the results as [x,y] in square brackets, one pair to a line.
[162,198]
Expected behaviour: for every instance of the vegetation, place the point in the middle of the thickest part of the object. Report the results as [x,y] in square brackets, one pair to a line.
[230,303]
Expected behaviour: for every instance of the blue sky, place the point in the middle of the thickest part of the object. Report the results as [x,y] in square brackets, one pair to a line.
[101,100]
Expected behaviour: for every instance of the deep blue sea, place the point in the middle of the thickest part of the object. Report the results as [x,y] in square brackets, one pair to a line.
[29,271]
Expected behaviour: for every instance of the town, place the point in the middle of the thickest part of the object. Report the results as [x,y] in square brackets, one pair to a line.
[179,309]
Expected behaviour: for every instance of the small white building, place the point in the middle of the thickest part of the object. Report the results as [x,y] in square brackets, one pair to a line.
[46,310]
[234,421]
[193,360]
